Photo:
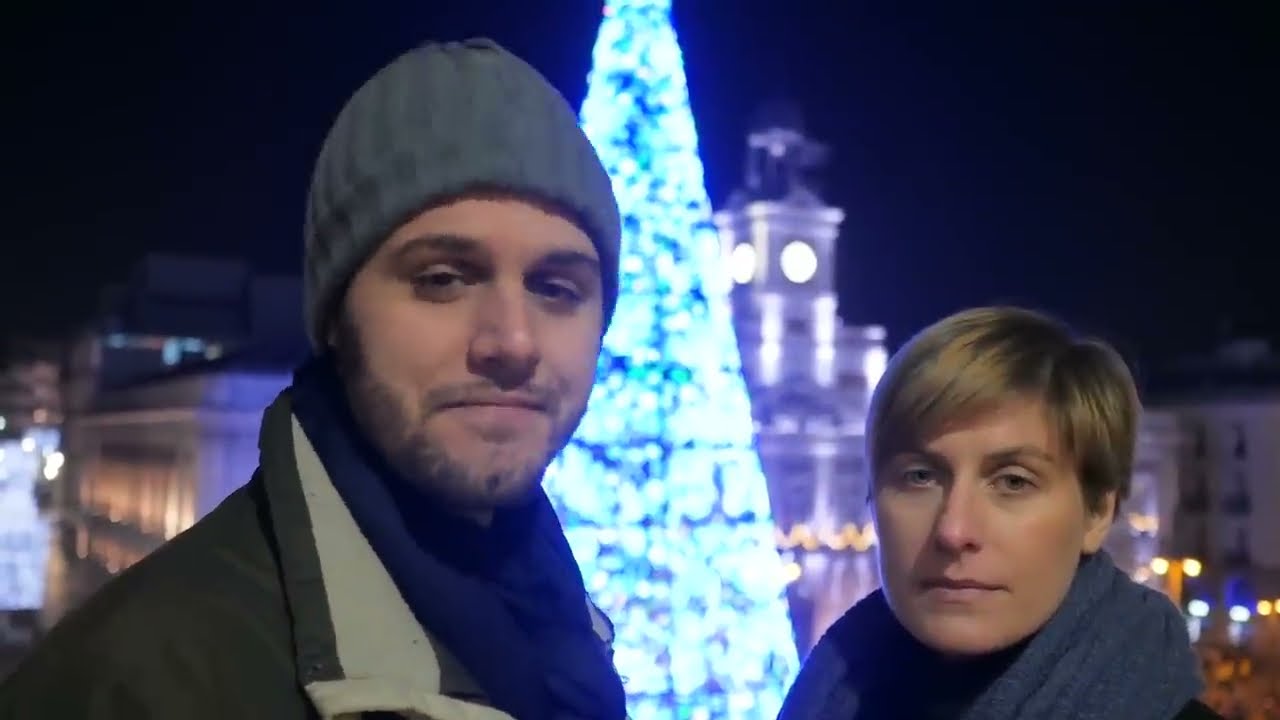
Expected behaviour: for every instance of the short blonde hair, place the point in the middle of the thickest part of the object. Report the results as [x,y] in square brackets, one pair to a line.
[977,358]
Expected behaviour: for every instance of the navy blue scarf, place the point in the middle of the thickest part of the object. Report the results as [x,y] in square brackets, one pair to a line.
[1114,649]
[507,600]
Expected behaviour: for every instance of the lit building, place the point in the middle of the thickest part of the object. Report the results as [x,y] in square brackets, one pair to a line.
[176,310]
[30,459]
[31,412]
[811,379]
[157,455]
[157,400]
[1228,407]
[810,375]
[1141,529]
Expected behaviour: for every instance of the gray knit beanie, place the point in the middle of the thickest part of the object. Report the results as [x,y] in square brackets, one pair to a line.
[439,121]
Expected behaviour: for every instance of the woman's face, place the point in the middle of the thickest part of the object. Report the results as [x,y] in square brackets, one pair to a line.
[981,529]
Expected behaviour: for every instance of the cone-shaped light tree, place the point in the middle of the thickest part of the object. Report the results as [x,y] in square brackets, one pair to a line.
[661,491]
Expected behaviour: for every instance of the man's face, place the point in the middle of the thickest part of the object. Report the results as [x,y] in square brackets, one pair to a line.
[981,530]
[468,344]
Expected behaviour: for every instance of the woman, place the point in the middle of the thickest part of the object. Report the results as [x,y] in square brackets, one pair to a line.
[1000,447]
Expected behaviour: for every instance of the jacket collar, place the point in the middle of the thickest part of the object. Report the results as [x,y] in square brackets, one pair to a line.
[357,645]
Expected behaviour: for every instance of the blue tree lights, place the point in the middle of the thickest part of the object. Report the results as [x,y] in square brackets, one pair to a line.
[661,491]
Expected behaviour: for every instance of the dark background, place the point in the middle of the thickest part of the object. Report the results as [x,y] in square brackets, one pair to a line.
[1114,165]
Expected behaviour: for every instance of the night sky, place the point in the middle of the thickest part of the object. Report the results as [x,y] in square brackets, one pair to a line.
[1118,167]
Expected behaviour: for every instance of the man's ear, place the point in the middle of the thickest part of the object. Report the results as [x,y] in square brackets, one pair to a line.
[1098,523]
[337,323]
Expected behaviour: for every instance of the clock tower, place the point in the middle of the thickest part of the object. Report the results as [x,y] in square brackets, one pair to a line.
[810,375]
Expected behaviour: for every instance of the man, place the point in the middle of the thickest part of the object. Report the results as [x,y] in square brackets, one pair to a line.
[394,554]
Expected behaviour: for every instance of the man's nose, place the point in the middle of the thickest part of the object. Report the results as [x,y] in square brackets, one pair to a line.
[503,348]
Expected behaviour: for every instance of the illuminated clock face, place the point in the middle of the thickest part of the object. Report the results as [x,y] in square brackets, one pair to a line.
[742,263]
[798,261]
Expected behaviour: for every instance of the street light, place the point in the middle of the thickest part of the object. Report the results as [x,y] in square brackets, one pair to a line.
[1174,570]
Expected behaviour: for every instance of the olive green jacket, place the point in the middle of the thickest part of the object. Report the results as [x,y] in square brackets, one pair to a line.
[273,606]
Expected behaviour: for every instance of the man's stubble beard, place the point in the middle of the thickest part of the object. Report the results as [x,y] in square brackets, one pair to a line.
[384,418]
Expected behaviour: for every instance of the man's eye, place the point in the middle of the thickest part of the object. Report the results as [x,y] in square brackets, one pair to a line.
[557,290]
[439,284]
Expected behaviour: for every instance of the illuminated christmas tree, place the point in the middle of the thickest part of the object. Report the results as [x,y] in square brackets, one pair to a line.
[661,491]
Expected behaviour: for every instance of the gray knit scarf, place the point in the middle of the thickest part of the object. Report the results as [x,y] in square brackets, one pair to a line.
[1114,649]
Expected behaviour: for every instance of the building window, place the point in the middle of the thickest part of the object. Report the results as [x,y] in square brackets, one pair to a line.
[850,467]
[798,502]
[852,473]
[1241,447]
[1195,499]
[850,380]
[1202,542]
[1238,502]
[1240,555]
[821,423]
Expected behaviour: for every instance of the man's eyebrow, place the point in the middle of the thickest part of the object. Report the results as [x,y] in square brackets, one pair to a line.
[462,245]
[439,242]
[571,258]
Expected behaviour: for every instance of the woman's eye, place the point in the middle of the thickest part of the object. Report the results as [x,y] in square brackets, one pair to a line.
[917,476]
[441,278]
[1015,483]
